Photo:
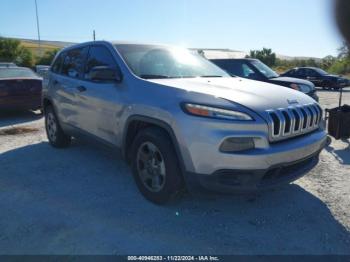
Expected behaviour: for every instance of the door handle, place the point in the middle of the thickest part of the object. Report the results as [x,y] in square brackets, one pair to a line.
[81,88]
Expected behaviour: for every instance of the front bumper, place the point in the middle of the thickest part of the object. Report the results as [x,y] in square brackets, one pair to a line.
[229,181]
[267,165]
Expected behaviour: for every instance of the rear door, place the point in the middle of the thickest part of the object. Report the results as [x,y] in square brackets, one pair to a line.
[67,80]
[101,102]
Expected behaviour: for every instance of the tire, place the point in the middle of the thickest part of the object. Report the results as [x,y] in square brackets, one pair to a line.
[155,166]
[328,86]
[54,132]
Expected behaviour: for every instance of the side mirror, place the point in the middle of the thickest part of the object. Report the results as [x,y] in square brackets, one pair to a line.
[105,73]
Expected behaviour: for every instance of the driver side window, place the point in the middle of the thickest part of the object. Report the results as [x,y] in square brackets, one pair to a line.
[73,62]
[247,71]
[99,56]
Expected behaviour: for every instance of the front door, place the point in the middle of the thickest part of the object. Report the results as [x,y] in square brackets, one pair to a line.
[99,102]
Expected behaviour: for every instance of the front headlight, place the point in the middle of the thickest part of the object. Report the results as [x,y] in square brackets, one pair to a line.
[214,112]
[301,87]
[304,88]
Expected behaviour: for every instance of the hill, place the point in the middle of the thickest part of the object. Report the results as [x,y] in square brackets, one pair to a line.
[45,45]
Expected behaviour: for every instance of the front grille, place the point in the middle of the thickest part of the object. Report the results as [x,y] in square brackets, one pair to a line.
[293,121]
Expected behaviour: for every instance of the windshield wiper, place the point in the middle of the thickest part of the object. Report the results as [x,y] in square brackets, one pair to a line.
[154,76]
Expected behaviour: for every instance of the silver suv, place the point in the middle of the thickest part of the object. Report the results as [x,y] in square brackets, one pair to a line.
[179,120]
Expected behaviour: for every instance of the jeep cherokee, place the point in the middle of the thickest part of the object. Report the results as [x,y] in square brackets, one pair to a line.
[179,120]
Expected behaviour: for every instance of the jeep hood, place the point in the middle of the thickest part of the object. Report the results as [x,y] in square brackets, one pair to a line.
[258,96]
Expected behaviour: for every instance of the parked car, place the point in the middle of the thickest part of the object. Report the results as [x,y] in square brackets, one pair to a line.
[20,88]
[7,64]
[319,77]
[180,120]
[256,70]
[42,70]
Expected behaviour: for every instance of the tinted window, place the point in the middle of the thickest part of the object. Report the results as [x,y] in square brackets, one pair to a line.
[233,67]
[292,72]
[247,71]
[56,67]
[73,63]
[301,72]
[99,56]
[264,69]
[311,72]
[320,71]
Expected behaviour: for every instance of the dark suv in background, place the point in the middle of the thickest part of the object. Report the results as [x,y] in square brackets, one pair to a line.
[256,70]
[319,77]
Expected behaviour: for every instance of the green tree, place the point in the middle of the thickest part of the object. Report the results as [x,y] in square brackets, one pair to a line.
[328,61]
[47,58]
[343,51]
[12,51]
[342,64]
[25,58]
[265,55]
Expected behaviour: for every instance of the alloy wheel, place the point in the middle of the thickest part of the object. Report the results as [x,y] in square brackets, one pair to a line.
[151,167]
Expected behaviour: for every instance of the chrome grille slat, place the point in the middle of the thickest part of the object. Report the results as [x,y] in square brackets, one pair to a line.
[282,121]
[319,113]
[293,121]
[303,117]
[314,118]
[301,120]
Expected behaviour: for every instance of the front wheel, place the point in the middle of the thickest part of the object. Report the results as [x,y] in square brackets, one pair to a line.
[155,166]
[55,134]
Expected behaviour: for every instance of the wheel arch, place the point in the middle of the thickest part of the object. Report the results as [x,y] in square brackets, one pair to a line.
[136,123]
[46,102]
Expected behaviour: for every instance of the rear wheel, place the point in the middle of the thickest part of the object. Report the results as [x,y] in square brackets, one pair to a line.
[55,134]
[155,166]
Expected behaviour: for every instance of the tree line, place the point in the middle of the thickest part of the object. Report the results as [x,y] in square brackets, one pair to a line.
[11,50]
[337,65]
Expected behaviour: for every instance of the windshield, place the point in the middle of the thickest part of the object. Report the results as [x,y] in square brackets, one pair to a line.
[264,69]
[154,62]
[320,71]
[16,72]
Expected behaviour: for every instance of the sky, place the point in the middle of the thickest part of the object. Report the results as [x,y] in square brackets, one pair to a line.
[289,27]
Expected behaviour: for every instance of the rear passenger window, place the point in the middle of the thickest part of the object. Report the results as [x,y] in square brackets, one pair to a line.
[99,56]
[56,67]
[73,63]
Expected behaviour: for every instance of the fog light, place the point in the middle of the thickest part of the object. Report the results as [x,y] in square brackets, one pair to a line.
[237,144]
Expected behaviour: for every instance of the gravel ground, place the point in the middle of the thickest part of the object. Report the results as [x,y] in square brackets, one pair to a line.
[82,200]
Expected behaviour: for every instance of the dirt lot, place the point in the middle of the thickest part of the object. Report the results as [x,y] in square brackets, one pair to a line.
[82,200]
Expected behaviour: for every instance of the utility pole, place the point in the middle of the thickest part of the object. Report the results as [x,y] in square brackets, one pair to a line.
[38,28]
[94,35]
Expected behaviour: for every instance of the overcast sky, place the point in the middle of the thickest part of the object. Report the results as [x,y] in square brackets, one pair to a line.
[289,27]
